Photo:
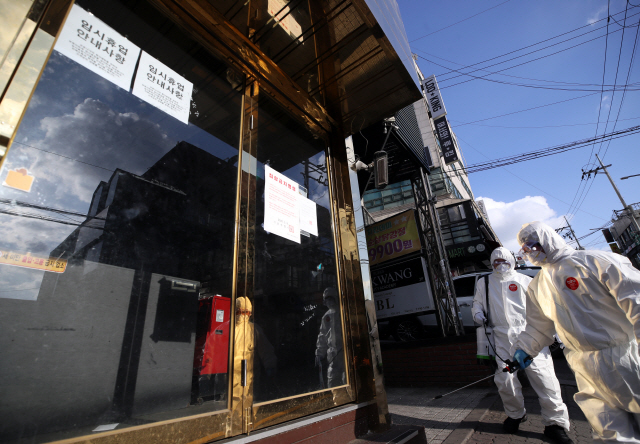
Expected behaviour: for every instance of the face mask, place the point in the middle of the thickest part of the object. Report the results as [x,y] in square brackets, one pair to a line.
[503,268]
[536,257]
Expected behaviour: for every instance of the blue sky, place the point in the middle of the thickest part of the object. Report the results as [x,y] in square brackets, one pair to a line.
[542,188]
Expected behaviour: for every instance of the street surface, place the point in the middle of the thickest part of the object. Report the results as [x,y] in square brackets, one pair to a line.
[475,415]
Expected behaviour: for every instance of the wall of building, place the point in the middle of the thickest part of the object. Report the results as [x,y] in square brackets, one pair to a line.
[451,363]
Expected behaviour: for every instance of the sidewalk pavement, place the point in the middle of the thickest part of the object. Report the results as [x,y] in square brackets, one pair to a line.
[475,415]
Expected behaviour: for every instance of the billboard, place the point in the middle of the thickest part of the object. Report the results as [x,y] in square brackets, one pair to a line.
[393,238]
[401,288]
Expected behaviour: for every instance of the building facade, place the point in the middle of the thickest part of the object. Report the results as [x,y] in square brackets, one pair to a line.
[625,235]
[179,258]
[466,230]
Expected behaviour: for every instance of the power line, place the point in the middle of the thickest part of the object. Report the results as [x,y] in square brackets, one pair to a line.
[463,20]
[537,43]
[524,110]
[520,77]
[523,157]
[527,62]
[613,95]
[524,85]
[545,126]
[582,187]
[528,183]
[62,155]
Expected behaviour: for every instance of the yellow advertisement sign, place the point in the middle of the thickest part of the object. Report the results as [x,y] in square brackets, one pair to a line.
[393,237]
[28,261]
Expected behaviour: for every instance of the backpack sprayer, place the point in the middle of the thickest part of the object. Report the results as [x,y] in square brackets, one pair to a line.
[486,352]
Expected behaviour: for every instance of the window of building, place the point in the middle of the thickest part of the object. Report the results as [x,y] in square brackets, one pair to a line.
[455,225]
[394,195]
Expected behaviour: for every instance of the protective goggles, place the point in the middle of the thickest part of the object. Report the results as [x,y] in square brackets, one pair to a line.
[530,247]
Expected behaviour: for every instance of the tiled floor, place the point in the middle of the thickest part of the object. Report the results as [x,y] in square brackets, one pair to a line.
[440,417]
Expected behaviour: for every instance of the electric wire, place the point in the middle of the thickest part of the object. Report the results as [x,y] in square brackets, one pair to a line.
[525,181]
[521,77]
[463,20]
[531,155]
[633,52]
[528,61]
[545,126]
[524,85]
[582,186]
[535,44]
[528,109]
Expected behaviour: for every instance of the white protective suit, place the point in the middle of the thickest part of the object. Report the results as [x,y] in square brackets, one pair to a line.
[592,300]
[507,296]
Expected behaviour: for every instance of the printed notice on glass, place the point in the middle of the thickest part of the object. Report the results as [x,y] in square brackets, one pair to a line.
[281,210]
[308,215]
[163,88]
[90,42]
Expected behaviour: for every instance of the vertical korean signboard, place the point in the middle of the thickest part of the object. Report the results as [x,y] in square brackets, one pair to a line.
[446,141]
[393,238]
[434,100]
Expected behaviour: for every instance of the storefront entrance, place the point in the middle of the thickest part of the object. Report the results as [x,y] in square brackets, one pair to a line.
[168,258]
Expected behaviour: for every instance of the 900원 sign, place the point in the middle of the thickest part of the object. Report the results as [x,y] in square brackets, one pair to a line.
[389,248]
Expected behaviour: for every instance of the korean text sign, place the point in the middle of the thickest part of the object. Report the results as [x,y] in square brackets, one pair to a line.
[434,100]
[281,210]
[27,261]
[392,238]
[446,141]
[90,42]
[163,88]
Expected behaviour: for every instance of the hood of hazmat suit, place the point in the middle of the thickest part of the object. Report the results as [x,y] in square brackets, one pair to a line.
[592,300]
[507,314]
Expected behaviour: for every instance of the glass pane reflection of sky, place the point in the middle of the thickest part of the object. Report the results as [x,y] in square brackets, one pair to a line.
[79,128]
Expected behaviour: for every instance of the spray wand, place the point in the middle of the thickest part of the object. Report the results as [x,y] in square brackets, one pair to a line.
[511,367]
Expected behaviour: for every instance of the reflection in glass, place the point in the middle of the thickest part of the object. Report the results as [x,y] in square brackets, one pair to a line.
[291,277]
[137,209]
[329,346]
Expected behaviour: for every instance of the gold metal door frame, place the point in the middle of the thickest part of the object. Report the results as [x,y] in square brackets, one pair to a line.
[209,28]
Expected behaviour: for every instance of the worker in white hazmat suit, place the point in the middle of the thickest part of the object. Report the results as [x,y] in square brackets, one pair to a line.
[506,314]
[592,300]
[329,344]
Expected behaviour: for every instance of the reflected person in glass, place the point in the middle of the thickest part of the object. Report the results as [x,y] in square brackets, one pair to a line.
[249,338]
[329,345]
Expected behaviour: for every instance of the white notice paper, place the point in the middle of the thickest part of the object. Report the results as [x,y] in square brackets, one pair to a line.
[281,210]
[163,88]
[308,215]
[90,42]
[219,315]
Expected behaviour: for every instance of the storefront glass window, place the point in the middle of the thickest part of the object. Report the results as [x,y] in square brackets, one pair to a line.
[297,316]
[117,219]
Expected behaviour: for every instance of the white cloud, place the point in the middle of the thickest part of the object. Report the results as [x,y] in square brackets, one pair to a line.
[508,217]
[599,14]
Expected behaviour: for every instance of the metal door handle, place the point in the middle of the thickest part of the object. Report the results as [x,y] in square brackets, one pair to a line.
[243,383]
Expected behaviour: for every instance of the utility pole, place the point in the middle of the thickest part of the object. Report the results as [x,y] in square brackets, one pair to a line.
[634,222]
[573,234]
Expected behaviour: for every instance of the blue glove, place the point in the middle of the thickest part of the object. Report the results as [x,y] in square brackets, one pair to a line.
[522,358]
